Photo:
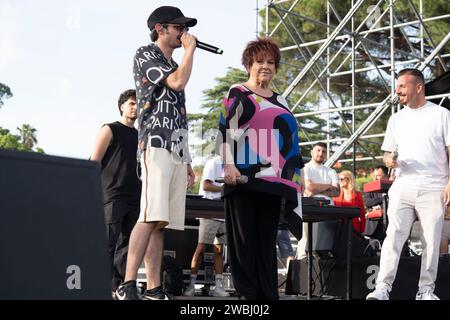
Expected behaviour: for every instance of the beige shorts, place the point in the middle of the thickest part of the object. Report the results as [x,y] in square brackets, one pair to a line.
[211,231]
[163,196]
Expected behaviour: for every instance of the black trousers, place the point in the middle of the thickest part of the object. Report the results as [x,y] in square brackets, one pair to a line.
[251,222]
[120,218]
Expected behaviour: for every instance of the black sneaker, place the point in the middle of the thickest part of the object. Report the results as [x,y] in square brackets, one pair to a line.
[127,291]
[155,294]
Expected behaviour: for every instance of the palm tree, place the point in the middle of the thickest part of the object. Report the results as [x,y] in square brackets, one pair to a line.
[28,136]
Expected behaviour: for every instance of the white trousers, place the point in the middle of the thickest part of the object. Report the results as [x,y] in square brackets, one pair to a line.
[406,202]
[302,243]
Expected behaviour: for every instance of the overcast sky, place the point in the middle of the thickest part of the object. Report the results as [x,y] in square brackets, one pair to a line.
[66,62]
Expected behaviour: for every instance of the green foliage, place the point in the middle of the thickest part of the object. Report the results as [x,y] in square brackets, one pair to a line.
[202,124]
[213,97]
[27,136]
[5,93]
[361,181]
[9,141]
[24,141]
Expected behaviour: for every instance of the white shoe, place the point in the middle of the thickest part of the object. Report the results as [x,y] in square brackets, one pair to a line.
[378,294]
[219,291]
[190,290]
[426,295]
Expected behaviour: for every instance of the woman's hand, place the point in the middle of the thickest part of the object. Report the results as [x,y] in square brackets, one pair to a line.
[230,174]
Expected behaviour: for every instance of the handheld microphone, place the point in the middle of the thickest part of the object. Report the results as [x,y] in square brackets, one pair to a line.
[395,99]
[394,155]
[208,47]
[239,180]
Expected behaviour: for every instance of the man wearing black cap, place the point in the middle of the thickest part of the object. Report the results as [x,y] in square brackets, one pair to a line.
[162,145]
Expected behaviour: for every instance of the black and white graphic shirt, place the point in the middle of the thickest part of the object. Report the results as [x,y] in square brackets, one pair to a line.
[162,119]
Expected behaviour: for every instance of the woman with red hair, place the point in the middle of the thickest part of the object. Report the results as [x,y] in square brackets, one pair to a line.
[259,139]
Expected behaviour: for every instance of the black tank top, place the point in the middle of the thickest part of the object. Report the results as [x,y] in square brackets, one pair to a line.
[119,166]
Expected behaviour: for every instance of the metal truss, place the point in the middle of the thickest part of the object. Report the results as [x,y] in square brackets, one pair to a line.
[324,60]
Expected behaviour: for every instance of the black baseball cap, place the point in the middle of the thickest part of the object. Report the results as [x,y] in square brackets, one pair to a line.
[168,14]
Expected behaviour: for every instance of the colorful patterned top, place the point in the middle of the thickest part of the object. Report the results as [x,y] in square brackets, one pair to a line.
[263,136]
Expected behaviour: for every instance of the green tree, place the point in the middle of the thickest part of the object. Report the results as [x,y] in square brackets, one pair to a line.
[5,93]
[25,140]
[11,141]
[213,97]
[8,140]
[27,136]
[204,125]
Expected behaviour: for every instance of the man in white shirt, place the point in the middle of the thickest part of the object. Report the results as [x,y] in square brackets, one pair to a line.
[320,181]
[211,231]
[421,136]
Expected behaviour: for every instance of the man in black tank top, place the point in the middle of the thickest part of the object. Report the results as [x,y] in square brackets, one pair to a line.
[115,149]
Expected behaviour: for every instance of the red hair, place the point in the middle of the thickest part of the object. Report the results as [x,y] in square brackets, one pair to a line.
[261,48]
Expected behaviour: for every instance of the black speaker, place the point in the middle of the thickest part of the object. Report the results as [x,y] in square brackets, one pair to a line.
[330,240]
[324,234]
[181,245]
[293,278]
[329,277]
[52,232]
[297,277]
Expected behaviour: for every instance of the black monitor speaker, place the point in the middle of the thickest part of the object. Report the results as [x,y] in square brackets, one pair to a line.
[52,232]
[324,236]
[330,240]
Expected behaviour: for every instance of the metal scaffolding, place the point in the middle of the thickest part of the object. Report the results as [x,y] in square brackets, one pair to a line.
[322,62]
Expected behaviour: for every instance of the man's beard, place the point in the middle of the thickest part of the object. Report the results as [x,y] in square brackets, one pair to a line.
[178,45]
[320,161]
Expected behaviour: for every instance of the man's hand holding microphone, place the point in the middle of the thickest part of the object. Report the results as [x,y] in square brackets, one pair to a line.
[188,41]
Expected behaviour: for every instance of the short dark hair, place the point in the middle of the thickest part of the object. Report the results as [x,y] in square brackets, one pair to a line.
[320,144]
[124,96]
[261,47]
[383,168]
[414,72]
[154,35]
